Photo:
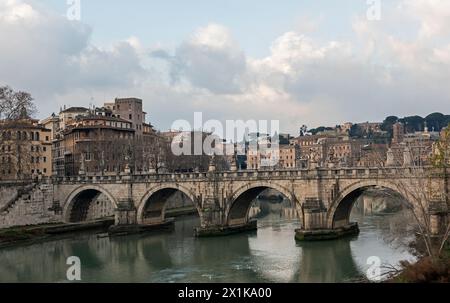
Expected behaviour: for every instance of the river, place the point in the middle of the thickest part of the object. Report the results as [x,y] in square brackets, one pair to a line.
[270,254]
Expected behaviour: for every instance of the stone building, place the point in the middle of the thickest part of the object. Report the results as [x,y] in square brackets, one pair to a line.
[416,147]
[130,109]
[398,133]
[370,127]
[193,151]
[281,157]
[93,144]
[107,139]
[328,150]
[373,155]
[25,149]
[68,115]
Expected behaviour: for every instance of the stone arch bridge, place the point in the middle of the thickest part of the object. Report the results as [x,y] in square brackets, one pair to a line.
[323,197]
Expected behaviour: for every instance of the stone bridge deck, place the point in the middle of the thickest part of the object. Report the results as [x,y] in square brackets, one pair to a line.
[323,197]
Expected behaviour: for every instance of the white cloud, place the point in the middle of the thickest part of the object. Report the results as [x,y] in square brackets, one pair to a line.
[210,59]
[434,16]
[376,73]
[47,54]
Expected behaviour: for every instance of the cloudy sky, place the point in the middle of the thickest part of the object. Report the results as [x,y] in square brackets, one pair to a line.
[297,61]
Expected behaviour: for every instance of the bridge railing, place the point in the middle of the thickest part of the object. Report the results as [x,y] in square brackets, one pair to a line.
[346,172]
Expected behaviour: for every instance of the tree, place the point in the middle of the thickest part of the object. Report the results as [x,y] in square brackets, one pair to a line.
[15,105]
[356,131]
[441,160]
[18,154]
[422,195]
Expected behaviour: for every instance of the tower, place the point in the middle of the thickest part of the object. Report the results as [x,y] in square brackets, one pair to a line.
[398,131]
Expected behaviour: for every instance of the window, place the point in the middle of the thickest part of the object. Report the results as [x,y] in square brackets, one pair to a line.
[131,116]
[44,159]
[47,138]
[87,156]
[44,148]
[45,170]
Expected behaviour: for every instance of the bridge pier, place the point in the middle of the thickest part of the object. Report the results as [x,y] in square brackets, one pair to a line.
[126,221]
[315,226]
[125,213]
[225,230]
[439,217]
[327,234]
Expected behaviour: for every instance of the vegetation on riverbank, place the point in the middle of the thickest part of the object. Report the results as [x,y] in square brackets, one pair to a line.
[25,233]
[426,270]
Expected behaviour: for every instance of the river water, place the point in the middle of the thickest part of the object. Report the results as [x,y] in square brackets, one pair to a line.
[270,254]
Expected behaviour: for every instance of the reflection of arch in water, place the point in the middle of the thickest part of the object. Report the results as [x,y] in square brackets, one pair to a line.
[275,256]
[88,251]
[210,250]
[152,207]
[80,206]
[329,261]
[340,210]
[155,251]
[242,199]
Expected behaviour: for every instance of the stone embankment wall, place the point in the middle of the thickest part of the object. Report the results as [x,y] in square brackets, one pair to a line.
[26,204]
[371,202]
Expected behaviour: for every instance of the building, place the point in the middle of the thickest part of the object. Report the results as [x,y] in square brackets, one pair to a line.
[130,109]
[342,151]
[25,147]
[281,156]
[373,155]
[418,146]
[398,133]
[328,150]
[68,115]
[92,144]
[346,127]
[370,127]
[76,129]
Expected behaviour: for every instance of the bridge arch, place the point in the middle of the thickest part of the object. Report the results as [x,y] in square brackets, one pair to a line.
[156,199]
[73,201]
[340,210]
[242,199]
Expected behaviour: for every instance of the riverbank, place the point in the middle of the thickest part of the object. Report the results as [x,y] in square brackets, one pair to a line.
[425,270]
[36,233]
[43,232]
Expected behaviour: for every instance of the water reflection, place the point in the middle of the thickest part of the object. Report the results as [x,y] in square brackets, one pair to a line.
[268,255]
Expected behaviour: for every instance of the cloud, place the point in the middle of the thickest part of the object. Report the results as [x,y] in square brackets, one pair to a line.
[433,15]
[381,68]
[47,54]
[210,59]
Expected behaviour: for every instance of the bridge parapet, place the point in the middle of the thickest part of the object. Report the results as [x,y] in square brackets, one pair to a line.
[318,173]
